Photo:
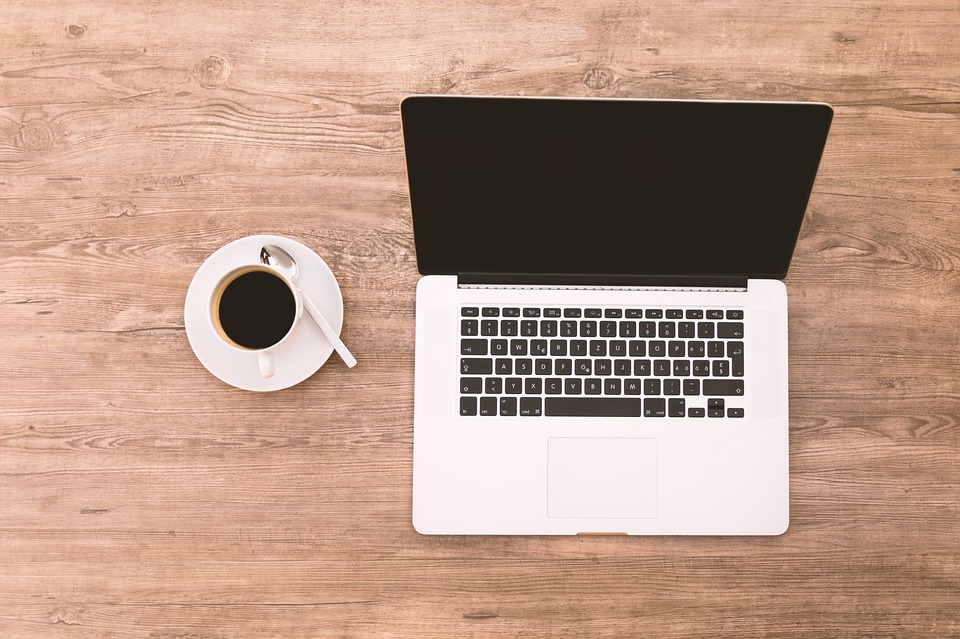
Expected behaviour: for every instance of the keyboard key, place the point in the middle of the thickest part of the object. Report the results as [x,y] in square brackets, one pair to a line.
[488,406]
[592,406]
[686,329]
[509,328]
[553,386]
[531,406]
[602,367]
[735,353]
[588,328]
[523,366]
[572,386]
[646,329]
[667,329]
[681,368]
[654,407]
[696,412]
[628,328]
[714,349]
[532,386]
[622,367]
[508,406]
[700,368]
[638,348]
[469,311]
[592,386]
[674,313]
[598,348]
[538,347]
[658,349]
[714,408]
[653,313]
[471,385]
[558,347]
[730,330]
[608,329]
[489,328]
[735,315]
[705,330]
[493,385]
[696,349]
[469,328]
[734,412]
[578,347]
[651,386]
[543,367]
[694,314]
[583,367]
[468,406]
[528,328]
[661,367]
[503,366]
[551,312]
[531,312]
[473,347]
[676,349]
[632,386]
[691,387]
[491,312]
[618,348]
[568,328]
[571,312]
[593,312]
[642,368]
[513,386]
[498,347]
[719,387]
[671,387]
[611,386]
[548,328]
[676,407]
[563,367]
[721,368]
[511,312]
[613,312]
[634,313]
[714,314]
[476,365]
[518,347]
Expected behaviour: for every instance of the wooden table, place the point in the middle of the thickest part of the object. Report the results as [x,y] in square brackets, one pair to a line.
[142,497]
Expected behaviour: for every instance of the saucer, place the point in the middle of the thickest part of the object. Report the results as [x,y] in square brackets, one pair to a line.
[303,353]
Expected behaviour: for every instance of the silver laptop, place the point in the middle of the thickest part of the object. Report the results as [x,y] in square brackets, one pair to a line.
[601,343]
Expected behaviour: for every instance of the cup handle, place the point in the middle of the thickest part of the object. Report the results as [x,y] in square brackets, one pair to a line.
[266,363]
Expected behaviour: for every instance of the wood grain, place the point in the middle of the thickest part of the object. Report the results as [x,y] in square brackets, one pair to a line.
[142,497]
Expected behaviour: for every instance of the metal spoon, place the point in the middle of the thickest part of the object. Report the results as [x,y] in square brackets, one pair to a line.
[274,256]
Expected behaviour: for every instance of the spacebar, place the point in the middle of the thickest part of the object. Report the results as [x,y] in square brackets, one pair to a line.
[592,407]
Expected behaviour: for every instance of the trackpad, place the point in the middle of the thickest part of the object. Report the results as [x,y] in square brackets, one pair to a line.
[601,477]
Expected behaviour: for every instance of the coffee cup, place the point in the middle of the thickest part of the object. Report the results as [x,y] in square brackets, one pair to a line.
[254,308]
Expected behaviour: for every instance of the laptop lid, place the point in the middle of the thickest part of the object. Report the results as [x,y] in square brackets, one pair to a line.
[609,191]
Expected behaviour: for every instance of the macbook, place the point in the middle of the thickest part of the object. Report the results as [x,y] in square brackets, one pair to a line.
[601,325]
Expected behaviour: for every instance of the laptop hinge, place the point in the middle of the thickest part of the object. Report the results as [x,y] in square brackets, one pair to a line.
[580,281]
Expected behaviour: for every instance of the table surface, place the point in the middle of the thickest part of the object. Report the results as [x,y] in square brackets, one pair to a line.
[142,497]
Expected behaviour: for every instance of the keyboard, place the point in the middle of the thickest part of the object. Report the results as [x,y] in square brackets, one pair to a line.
[601,362]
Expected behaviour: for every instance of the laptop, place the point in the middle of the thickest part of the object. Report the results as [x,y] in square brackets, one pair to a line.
[601,325]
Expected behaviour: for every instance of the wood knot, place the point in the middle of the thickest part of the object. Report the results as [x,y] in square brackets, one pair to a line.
[39,135]
[600,81]
[212,71]
[76,30]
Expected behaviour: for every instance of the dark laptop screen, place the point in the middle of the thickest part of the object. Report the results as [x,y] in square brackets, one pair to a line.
[609,187]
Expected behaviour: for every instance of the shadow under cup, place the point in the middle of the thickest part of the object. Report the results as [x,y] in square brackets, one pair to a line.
[253,308]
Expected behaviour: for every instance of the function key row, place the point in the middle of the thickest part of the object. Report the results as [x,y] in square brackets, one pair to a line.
[610,313]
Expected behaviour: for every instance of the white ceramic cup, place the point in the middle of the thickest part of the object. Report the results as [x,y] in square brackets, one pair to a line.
[251,306]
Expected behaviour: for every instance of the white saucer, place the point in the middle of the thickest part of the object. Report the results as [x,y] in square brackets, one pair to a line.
[303,353]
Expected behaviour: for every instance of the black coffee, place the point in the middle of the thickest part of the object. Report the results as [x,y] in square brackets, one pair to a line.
[256,309]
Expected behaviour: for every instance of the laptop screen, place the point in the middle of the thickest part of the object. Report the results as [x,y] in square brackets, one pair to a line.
[609,187]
